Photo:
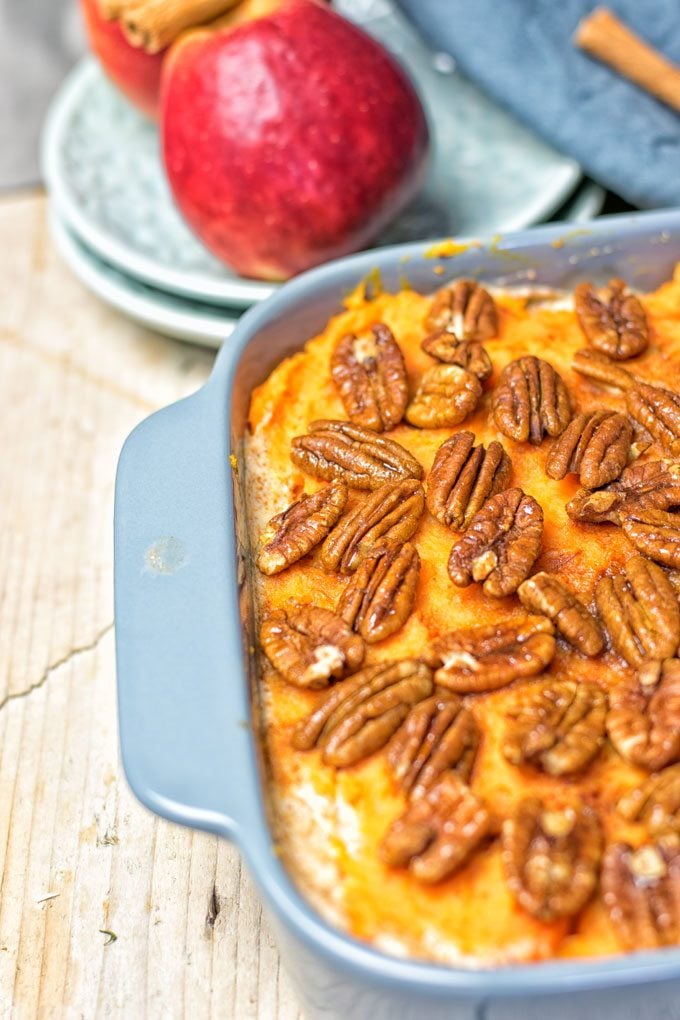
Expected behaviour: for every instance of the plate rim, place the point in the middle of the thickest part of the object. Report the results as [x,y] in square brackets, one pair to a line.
[144,309]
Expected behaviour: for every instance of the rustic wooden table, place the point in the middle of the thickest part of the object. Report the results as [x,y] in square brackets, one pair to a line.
[105,911]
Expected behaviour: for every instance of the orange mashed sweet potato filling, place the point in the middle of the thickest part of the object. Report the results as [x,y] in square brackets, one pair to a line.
[328,823]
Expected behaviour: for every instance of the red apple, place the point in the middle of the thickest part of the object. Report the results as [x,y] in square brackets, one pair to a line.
[136,73]
[289,139]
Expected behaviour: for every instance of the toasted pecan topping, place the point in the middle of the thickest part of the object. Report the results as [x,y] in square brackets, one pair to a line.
[447,394]
[469,354]
[658,411]
[551,858]
[465,309]
[643,722]
[653,485]
[438,832]
[379,597]
[545,593]
[597,366]
[463,477]
[641,891]
[370,376]
[557,725]
[500,545]
[360,715]
[439,735]
[612,320]
[389,514]
[640,611]
[292,534]
[484,658]
[655,533]
[594,445]
[531,401]
[341,449]
[655,803]
[309,645]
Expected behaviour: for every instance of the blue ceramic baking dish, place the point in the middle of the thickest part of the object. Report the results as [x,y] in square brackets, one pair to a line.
[183,634]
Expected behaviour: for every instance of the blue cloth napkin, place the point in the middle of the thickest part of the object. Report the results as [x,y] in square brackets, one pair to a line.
[521,53]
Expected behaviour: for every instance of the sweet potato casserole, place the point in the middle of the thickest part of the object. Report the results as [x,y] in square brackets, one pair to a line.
[468,578]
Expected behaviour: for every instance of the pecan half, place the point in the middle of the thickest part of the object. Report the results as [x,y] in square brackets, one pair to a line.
[530,401]
[597,366]
[446,396]
[551,858]
[484,658]
[379,598]
[469,354]
[439,735]
[340,449]
[438,832]
[309,645]
[640,611]
[557,725]
[658,411]
[360,715]
[653,485]
[292,534]
[390,514]
[370,376]
[641,891]
[463,477]
[464,309]
[612,319]
[656,802]
[643,721]
[500,545]
[594,445]
[654,533]
[545,593]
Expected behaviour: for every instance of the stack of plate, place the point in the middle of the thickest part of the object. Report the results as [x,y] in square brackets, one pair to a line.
[114,222]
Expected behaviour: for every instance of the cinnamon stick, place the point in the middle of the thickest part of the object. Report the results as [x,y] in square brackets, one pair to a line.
[154,24]
[605,37]
[111,9]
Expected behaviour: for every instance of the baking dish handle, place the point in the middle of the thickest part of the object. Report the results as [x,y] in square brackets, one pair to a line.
[183,703]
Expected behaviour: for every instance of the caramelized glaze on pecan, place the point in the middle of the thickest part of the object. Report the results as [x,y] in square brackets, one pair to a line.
[551,858]
[438,832]
[389,514]
[484,658]
[643,722]
[658,411]
[597,366]
[655,533]
[309,645]
[370,376]
[612,319]
[465,309]
[341,449]
[531,401]
[360,715]
[292,534]
[439,735]
[594,446]
[641,891]
[463,477]
[379,597]
[653,485]
[557,725]
[500,545]
[656,802]
[640,611]
[447,394]
[469,354]
[544,593]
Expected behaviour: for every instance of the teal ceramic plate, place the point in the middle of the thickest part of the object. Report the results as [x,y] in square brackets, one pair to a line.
[173,316]
[101,164]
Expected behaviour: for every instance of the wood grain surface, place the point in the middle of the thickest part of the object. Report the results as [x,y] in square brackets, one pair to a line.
[105,911]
